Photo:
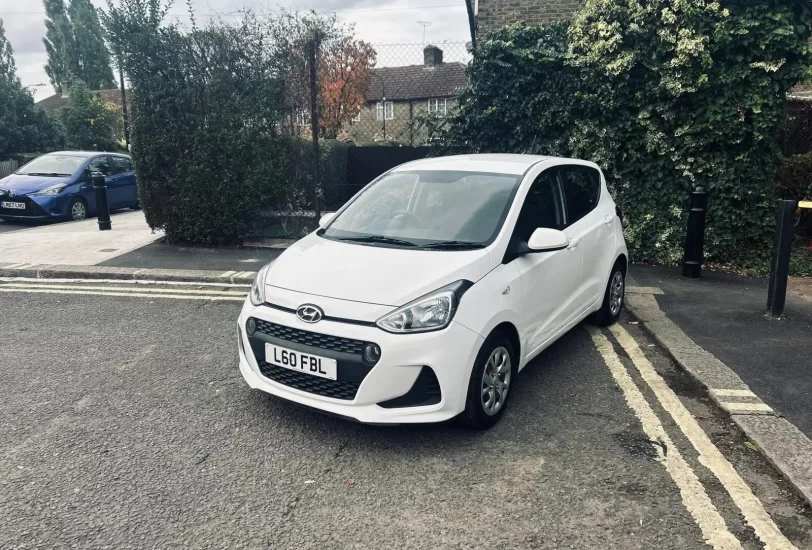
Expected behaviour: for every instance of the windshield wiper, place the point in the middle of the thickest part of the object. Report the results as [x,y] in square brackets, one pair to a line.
[377,239]
[452,245]
[50,174]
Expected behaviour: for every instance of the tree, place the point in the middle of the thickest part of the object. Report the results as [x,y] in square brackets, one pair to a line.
[23,128]
[344,73]
[75,46]
[89,124]
[92,53]
[343,63]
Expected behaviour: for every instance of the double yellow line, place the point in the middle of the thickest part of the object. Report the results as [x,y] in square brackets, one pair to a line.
[134,291]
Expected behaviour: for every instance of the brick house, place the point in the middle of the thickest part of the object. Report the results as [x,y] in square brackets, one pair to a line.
[398,97]
[51,105]
[495,14]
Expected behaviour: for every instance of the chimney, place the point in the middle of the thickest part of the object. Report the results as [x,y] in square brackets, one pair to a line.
[432,56]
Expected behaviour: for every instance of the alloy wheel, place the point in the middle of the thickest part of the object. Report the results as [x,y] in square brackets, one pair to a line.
[496,381]
[78,211]
[616,293]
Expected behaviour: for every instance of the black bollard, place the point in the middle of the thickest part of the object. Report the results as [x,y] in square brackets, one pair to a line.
[779,273]
[695,240]
[102,209]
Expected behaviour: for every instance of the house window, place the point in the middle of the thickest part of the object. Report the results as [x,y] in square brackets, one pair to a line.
[389,109]
[437,107]
[303,118]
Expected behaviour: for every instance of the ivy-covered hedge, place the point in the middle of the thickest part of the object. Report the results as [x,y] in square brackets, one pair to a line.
[665,95]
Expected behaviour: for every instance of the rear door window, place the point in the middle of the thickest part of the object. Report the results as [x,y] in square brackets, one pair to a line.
[582,190]
[121,165]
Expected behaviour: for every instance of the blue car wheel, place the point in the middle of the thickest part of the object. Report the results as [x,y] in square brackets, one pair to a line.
[77,209]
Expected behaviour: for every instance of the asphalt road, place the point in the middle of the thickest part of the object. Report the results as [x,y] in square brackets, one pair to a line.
[124,423]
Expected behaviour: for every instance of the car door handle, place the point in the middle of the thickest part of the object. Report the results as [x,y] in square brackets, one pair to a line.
[574,244]
[608,220]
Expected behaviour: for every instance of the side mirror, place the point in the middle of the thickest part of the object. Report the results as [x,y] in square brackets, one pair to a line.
[325,219]
[547,240]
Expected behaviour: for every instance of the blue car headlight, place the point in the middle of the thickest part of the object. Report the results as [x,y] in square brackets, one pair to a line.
[49,191]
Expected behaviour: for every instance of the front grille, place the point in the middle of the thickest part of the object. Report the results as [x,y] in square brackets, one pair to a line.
[337,389]
[31,207]
[321,341]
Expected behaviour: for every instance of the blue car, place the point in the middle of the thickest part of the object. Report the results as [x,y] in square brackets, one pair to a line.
[57,185]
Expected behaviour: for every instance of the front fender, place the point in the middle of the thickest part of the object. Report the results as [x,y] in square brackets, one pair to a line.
[493,300]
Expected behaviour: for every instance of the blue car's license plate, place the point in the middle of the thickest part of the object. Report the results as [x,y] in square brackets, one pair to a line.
[13,205]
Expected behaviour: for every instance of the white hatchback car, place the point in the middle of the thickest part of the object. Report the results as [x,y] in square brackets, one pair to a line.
[425,295]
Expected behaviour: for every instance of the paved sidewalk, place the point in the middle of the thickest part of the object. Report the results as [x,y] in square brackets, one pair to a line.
[76,243]
[725,314]
[161,255]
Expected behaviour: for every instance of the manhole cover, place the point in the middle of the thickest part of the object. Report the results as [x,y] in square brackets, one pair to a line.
[108,249]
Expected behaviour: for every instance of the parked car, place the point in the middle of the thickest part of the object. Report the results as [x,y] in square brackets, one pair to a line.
[424,296]
[57,185]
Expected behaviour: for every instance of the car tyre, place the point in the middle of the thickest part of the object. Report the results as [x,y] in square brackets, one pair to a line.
[77,209]
[613,298]
[488,394]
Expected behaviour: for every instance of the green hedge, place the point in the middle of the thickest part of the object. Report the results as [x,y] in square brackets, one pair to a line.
[664,95]
[205,116]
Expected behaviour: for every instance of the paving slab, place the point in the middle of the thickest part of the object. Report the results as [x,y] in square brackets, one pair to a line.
[77,243]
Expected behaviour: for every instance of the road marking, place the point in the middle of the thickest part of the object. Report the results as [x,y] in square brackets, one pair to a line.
[693,494]
[228,274]
[246,274]
[644,290]
[749,505]
[733,393]
[131,294]
[123,282]
[736,408]
[125,289]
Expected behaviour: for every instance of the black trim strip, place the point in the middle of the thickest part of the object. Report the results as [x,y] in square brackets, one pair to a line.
[326,317]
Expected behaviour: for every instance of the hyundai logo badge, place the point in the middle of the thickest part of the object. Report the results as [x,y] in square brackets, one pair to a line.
[310,313]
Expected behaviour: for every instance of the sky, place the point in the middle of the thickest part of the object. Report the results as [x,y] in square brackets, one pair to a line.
[376,21]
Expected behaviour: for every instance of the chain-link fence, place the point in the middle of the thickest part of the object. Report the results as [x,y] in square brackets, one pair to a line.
[410,84]
[796,138]
[374,115]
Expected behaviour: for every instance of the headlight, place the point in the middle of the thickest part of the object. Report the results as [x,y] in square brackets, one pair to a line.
[257,294]
[49,191]
[431,312]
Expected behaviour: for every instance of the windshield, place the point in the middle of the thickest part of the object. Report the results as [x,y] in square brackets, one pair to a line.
[429,209]
[52,165]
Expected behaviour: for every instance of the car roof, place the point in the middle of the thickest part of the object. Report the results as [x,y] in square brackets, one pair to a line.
[84,154]
[493,163]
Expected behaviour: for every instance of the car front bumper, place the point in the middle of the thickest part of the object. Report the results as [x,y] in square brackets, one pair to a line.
[36,208]
[449,353]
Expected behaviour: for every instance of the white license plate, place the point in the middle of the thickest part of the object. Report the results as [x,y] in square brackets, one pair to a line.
[323,367]
[14,205]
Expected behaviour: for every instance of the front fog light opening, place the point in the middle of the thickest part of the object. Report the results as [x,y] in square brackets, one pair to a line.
[251,327]
[372,354]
